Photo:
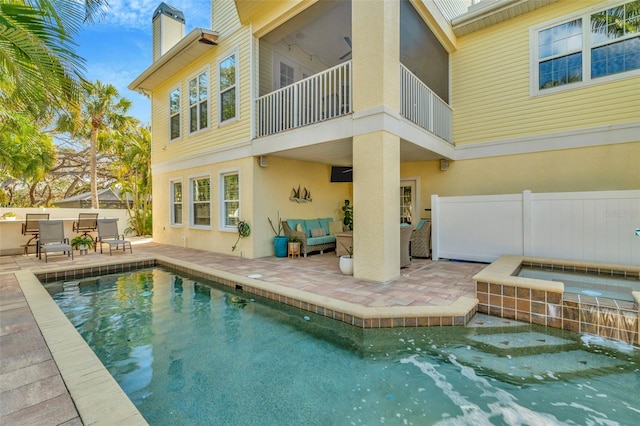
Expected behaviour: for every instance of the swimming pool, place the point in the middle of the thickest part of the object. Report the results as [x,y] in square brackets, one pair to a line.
[189,352]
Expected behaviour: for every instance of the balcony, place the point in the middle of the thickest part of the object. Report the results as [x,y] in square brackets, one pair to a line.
[328,95]
[321,97]
[423,107]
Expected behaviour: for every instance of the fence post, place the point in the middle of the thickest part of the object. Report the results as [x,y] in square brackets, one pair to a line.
[435,225]
[527,236]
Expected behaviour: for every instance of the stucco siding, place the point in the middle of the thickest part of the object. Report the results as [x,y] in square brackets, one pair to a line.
[599,168]
[491,86]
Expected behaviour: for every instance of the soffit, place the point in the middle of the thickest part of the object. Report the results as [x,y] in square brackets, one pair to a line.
[339,153]
[192,46]
[490,12]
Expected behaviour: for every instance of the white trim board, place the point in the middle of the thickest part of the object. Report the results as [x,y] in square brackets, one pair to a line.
[580,138]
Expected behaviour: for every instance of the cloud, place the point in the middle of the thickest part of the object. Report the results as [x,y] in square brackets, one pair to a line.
[137,14]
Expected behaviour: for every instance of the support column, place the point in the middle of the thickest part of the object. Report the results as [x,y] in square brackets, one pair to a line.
[376,195]
[376,152]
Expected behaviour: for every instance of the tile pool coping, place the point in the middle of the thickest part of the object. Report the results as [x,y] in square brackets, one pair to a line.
[501,293]
[98,397]
[503,269]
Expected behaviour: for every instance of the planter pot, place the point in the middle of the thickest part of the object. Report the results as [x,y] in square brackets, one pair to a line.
[346,265]
[294,248]
[10,218]
[83,247]
[280,245]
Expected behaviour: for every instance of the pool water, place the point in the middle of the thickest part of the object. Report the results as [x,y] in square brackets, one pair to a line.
[588,284]
[189,352]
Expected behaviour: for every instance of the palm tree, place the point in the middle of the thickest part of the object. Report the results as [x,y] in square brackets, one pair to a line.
[132,166]
[38,64]
[102,114]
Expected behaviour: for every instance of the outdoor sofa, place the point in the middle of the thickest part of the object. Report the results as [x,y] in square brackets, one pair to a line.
[314,234]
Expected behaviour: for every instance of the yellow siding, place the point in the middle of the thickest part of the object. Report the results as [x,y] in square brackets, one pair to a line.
[224,17]
[216,135]
[266,68]
[599,168]
[491,86]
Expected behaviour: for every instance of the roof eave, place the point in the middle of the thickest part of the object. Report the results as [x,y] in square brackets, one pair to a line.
[193,44]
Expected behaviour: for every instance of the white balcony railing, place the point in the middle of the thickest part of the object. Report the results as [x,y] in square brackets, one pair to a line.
[320,97]
[421,106]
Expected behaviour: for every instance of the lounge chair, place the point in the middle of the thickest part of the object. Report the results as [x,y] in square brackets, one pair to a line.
[31,227]
[108,234]
[87,222]
[421,239]
[52,239]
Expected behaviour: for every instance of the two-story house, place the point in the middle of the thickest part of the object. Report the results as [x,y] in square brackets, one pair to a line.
[415,97]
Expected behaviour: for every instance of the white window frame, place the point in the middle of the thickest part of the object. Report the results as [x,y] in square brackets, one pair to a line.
[222,202]
[235,87]
[178,113]
[587,46]
[173,203]
[199,102]
[192,202]
[300,71]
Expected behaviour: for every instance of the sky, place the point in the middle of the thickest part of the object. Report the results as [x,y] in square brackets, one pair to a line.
[118,48]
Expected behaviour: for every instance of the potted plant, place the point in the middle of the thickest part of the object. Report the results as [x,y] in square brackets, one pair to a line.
[347,210]
[346,261]
[294,244]
[82,242]
[279,241]
[9,216]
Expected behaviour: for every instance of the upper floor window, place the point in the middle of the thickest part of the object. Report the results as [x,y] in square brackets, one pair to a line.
[615,40]
[176,203]
[174,114]
[286,75]
[200,202]
[198,102]
[230,199]
[228,88]
[590,46]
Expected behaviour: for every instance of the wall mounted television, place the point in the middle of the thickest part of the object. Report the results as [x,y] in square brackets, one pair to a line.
[341,174]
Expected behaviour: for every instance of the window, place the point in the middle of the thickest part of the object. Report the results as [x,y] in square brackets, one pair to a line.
[615,40]
[560,54]
[228,88]
[176,203]
[201,202]
[230,199]
[591,46]
[407,200]
[198,102]
[286,75]
[174,114]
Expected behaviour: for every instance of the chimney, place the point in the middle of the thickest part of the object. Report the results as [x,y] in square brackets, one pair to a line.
[168,29]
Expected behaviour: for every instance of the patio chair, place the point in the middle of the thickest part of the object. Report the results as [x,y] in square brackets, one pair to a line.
[87,222]
[405,242]
[108,234]
[31,227]
[52,239]
[421,239]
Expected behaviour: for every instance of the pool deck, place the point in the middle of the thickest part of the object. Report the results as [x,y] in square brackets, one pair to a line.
[48,375]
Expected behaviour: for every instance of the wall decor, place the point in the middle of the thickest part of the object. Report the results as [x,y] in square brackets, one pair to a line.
[300,195]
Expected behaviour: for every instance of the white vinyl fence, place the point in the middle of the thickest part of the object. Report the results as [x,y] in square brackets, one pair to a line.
[600,226]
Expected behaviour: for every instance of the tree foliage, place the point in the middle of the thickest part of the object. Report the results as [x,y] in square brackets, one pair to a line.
[101,118]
